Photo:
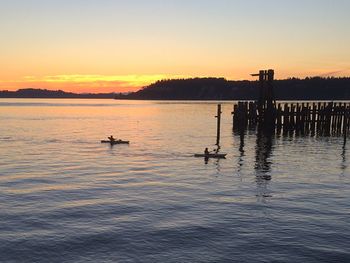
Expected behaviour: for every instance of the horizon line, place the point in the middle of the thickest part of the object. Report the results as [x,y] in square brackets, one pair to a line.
[171,79]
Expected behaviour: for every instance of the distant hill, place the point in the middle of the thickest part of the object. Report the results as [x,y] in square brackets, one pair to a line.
[221,89]
[43,93]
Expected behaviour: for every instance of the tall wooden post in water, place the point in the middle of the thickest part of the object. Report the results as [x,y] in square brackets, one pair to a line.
[218,116]
[266,101]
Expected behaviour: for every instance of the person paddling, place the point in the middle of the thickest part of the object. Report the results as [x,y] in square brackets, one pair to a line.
[111,138]
[206,152]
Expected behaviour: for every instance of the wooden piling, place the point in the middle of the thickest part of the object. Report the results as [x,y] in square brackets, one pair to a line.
[322,118]
[218,125]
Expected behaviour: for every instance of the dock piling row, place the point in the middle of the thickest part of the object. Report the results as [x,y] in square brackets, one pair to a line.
[322,118]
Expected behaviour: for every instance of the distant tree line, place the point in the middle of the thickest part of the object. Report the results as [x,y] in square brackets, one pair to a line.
[43,93]
[315,88]
[212,89]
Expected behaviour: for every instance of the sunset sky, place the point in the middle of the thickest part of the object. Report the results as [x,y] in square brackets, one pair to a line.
[122,45]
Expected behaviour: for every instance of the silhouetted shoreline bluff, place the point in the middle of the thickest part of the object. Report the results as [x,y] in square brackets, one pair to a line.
[221,89]
[210,89]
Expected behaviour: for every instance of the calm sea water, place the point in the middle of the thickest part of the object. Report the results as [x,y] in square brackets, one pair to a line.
[65,197]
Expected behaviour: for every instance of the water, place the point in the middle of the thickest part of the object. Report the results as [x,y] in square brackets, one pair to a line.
[64,197]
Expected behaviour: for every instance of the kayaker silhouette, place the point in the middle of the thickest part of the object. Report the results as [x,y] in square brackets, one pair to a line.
[206,151]
[111,138]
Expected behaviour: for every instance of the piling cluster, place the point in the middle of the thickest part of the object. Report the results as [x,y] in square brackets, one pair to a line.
[318,118]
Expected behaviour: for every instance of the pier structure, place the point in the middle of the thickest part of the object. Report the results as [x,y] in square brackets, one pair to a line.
[314,118]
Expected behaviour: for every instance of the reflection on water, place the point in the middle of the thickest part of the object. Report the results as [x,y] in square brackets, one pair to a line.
[241,150]
[262,166]
[263,151]
[264,146]
[343,155]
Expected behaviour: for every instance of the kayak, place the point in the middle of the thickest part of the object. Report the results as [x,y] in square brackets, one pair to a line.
[211,155]
[115,142]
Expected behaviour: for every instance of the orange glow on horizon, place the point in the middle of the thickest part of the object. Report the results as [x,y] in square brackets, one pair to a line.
[86,83]
[79,83]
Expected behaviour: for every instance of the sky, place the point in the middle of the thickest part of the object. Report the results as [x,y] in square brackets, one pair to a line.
[123,45]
